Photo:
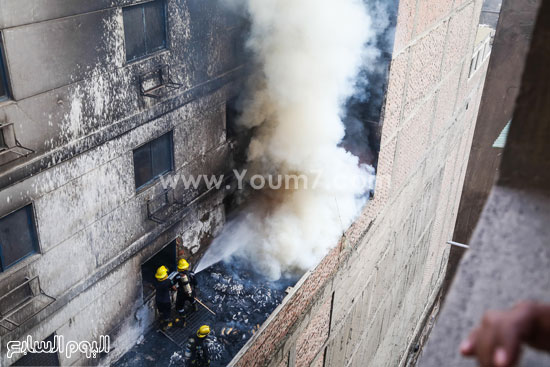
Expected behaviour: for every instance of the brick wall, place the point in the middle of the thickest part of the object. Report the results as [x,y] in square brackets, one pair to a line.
[363,305]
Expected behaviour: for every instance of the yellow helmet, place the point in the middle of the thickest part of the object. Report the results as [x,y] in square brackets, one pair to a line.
[203,331]
[162,273]
[183,265]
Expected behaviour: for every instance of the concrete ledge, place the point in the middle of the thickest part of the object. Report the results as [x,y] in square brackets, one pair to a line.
[508,261]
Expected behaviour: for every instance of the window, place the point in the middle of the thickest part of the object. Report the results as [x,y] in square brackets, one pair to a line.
[479,59]
[479,56]
[231,116]
[487,49]
[45,358]
[17,237]
[476,62]
[3,79]
[472,66]
[144,29]
[152,160]
[3,145]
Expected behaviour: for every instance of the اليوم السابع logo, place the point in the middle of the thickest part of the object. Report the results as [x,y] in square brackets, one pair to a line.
[58,345]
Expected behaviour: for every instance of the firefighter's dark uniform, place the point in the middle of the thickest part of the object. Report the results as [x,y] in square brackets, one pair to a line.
[186,291]
[196,352]
[162,297]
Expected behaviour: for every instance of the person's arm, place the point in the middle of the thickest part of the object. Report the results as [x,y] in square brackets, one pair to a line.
[170,286]
[174,282]
[193,278]
[497,341]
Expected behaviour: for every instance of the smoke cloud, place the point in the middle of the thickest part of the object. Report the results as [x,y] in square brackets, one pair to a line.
[308,54]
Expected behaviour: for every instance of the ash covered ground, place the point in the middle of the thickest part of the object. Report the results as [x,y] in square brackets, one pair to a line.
[242,300]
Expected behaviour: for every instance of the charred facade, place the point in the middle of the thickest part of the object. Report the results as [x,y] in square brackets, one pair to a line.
[91,94]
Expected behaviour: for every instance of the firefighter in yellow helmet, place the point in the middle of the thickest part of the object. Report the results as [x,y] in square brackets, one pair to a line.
[163,286]
[196,350]
[187,284]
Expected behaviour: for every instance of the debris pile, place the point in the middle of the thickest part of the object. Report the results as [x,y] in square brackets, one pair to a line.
[242,300]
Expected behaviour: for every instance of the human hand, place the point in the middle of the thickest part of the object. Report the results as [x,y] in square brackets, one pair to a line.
[497,341]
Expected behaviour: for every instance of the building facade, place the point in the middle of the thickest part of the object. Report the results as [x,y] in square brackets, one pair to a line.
[509,255]
[94,92]
[99,101]
[502,88]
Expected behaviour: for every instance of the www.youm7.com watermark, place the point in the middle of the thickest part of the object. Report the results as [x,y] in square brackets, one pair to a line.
[58,345]
[310,181]
[255,181]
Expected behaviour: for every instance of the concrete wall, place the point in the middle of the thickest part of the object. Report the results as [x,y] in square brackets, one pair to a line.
[77,104]
[509,254]
[363,305]
[510,46]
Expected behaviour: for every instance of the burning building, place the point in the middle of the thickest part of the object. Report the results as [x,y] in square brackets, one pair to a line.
[103,104]
[99,100]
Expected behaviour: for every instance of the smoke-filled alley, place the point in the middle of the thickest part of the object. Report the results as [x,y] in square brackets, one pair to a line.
[294,116]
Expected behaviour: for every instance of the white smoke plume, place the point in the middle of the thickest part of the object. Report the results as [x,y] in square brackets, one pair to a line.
[308,54]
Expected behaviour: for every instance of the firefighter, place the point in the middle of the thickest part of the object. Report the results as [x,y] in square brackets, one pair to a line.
[162,297]
[196,350]
[186,289]
[230,336]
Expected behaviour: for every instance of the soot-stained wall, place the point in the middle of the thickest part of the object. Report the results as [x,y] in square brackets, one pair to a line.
[76,102]
[364,304]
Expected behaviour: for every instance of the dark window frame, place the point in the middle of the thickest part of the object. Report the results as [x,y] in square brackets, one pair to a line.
[150,265]
[231,116]
[4,81]
[154,178]
[166,33]
[3,145]
[37,359]
[33,228]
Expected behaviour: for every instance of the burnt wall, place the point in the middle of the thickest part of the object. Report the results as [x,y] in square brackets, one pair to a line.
[70,82]
[77,103]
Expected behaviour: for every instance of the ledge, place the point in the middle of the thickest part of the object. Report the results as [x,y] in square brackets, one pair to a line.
[508,261]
